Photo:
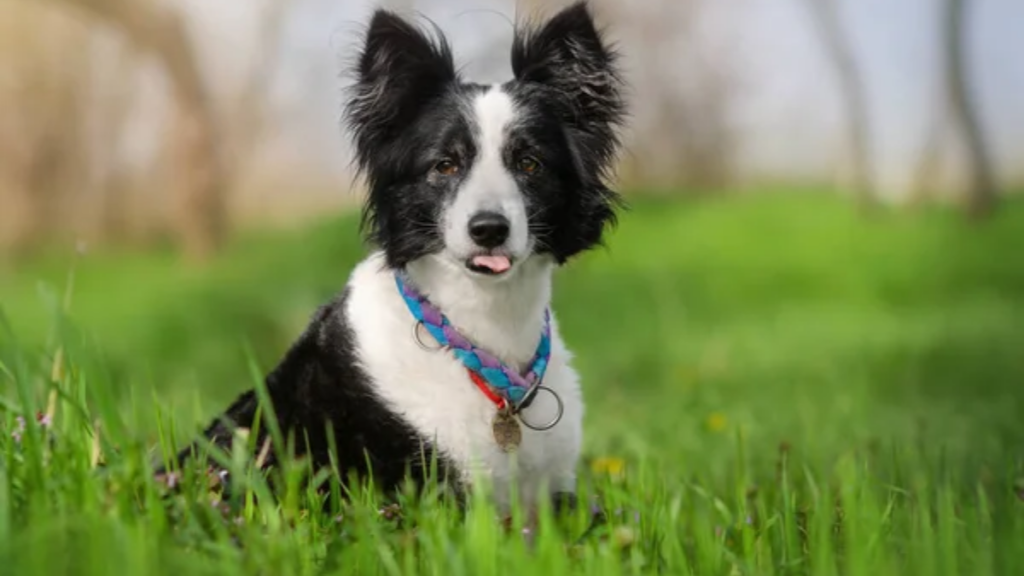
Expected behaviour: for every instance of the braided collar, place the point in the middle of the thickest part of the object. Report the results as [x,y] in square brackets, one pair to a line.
[501,384]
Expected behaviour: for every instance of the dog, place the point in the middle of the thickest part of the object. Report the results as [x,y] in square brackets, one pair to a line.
[476,194]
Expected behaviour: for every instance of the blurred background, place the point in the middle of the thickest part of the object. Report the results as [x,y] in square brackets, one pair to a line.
[823,245]
[128,121]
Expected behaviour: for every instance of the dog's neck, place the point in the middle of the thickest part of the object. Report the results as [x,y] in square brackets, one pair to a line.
[503,316]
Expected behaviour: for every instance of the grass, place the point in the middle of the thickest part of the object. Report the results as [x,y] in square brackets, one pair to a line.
[774,386]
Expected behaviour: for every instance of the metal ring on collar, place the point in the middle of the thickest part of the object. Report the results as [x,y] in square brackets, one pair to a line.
[528,398]
[419,340]
[532,396]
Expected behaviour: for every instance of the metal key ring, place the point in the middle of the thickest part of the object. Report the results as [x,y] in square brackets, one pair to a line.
[416,336]
[532,396]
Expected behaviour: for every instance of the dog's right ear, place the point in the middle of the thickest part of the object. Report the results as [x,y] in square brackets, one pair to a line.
[569,55]
[399,70]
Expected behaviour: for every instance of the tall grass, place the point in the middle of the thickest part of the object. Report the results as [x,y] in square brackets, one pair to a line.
[773,387]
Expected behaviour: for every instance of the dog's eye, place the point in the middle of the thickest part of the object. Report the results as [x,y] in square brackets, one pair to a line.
[446,167]
[528,164]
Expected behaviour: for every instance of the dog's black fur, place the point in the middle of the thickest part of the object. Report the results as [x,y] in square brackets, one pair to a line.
[318,389]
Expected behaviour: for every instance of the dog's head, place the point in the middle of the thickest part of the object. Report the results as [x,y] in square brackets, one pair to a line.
[485,177]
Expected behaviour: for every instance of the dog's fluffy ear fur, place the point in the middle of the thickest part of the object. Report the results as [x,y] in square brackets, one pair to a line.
[399,70]
[568,55]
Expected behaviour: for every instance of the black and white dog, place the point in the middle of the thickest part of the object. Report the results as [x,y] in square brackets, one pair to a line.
[476,194]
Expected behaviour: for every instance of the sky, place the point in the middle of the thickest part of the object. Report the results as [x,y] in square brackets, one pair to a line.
[788,114]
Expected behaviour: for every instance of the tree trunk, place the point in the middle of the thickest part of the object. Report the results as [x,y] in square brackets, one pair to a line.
[927,172]
[981,193]
[852,90]
[199,209]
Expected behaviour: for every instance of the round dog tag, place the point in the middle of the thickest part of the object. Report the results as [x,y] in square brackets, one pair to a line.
[507,432]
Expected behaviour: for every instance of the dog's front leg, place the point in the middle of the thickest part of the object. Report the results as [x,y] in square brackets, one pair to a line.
[563,502]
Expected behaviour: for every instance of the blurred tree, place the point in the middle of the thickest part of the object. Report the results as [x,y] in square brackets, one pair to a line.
[682,137]
[211,137]
[825,15]
[199,213]
[927,177]
[47,80]
[981,192]
[246,114]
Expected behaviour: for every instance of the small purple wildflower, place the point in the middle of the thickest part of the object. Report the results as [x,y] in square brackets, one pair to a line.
[223,507]
[171,479]
[390,512]
[44,420]
[750,521]
[528,535]
[19,429]
[339,518]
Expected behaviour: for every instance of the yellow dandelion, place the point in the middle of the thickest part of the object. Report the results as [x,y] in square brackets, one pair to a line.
[608,465]
[716,422]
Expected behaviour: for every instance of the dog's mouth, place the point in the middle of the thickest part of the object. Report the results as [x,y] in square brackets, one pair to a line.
[489,264]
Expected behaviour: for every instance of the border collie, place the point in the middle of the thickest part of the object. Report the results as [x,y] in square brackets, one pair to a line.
[441,347]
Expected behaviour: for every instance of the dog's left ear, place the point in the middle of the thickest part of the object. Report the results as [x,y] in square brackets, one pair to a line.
[399,70]
[568,54]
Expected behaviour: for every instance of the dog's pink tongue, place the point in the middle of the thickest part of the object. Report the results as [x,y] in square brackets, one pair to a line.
[496,264]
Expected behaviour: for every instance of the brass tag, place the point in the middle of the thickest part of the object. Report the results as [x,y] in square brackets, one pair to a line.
[507,432]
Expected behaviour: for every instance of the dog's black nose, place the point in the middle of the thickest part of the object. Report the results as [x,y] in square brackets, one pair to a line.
[488,229]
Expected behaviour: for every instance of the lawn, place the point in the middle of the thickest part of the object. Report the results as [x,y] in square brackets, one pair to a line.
[774,385]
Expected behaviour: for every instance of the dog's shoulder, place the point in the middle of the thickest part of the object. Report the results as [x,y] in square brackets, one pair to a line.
[328,341]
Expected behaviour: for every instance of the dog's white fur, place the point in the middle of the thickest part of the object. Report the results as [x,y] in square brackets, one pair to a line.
[504,315]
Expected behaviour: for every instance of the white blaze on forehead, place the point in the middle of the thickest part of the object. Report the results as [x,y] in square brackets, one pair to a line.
[489,185]
[494,111]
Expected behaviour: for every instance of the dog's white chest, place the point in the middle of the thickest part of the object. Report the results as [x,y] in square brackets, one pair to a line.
[433,392]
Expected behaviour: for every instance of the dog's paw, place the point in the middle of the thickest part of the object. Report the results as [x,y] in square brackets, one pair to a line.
[563,503]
